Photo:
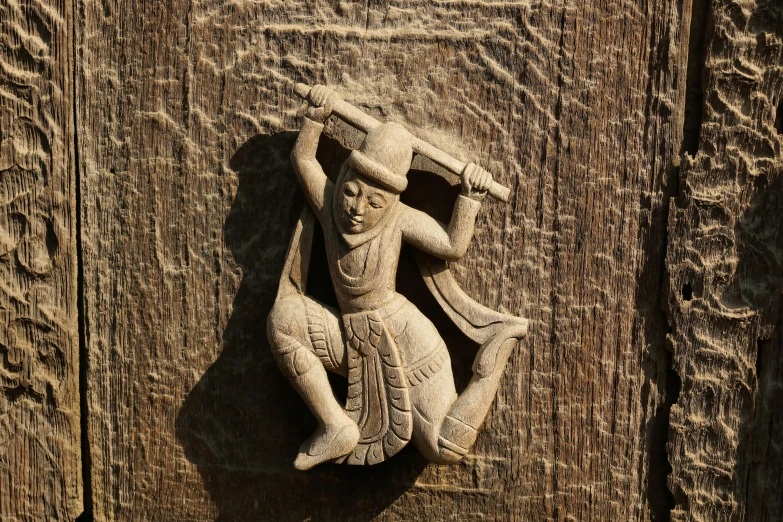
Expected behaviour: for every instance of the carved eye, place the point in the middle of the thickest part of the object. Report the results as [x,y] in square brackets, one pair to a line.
[374,203]
[349,190]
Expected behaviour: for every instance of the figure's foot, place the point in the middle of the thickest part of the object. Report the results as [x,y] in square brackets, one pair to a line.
[327,443]
[493,356]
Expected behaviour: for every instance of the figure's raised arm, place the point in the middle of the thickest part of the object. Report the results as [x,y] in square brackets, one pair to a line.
[452,241]
[312,178]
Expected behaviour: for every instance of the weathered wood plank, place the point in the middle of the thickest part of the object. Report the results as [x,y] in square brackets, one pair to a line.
[725,264]
[189,202]
[40,449]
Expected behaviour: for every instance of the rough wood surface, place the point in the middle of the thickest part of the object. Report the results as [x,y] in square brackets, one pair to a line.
[643,238]
[40,451]
[189,202]
[725,265]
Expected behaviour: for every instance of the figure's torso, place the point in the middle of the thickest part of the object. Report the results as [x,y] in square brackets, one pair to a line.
[364,275]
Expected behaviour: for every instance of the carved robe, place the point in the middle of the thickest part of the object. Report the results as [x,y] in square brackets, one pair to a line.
[378,348]
[392,346]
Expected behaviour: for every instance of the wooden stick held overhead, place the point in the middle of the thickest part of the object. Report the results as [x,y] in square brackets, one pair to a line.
[364,122]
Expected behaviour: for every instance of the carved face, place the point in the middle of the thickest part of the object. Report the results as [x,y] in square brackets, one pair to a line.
[362,202]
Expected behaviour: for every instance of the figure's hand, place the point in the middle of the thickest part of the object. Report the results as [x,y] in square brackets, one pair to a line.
[322,100]
[475,182]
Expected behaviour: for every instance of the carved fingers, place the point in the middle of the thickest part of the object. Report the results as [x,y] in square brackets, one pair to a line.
[475,182]
[322,100]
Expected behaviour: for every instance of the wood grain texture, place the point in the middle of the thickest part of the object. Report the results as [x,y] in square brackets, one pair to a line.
[187,111]
[40,452]
[725,265]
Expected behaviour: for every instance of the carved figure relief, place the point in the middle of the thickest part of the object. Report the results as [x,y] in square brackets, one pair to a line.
[400,383]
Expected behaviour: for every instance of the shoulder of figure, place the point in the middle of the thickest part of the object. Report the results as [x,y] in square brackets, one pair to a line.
[411,218]
[405,213]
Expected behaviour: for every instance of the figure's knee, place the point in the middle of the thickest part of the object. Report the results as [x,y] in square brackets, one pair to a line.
[449,442]
[446,456]
[287,318]
[433,399]
[287,333]
[455,439]
[440,451]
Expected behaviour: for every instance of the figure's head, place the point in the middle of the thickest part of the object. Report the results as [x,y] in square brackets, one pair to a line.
[375,177]
[362,202]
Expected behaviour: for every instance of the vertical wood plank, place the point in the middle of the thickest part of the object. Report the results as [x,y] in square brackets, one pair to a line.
[189,201]
[40,466]
[725,264]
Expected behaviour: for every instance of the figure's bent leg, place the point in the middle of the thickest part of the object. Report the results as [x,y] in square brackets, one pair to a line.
[337,434]
[473,404]
[450,430]
[441,437]
[431,399]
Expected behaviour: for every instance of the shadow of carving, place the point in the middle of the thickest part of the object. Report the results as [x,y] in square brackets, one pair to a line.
[242,423]
[650,330]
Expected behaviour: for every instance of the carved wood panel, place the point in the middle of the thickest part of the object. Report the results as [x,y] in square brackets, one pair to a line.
[190,201]
[641,142]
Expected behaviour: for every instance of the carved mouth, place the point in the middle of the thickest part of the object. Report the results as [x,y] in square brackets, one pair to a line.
[355,220]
